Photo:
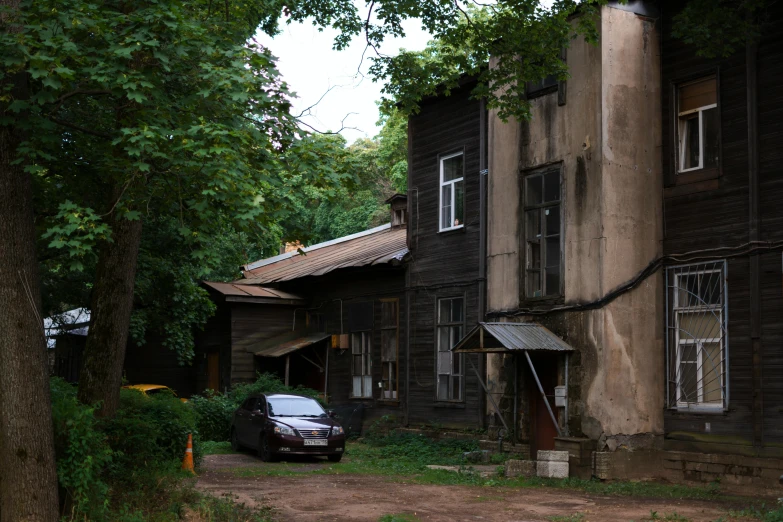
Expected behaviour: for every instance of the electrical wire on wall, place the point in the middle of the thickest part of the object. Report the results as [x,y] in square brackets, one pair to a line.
[746,249]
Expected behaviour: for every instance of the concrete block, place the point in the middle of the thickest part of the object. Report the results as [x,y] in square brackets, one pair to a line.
[520,468]
[552,456]
[476,456]
[549,469]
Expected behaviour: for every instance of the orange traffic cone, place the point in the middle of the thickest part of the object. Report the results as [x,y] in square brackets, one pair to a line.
[187,462]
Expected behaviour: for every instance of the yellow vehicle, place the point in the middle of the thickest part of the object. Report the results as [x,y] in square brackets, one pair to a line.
[152,389]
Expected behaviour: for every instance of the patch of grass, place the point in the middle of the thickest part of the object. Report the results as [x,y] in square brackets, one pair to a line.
[399,517]
[487,498]
[668,517]
[758,512]
[224,509]
[575,517]
[211,447]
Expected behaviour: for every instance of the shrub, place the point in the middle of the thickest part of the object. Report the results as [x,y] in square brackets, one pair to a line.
[150,429]
[213,410]
[82,453]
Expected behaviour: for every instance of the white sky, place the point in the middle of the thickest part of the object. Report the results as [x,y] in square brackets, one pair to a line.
[310,66]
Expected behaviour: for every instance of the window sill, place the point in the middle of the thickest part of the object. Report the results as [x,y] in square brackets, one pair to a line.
[544,302]
[360,398]
[708,410]
[457,405]
[390,402]
[452,229]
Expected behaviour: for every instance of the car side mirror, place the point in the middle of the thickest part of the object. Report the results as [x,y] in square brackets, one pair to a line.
[331,413]
[256,412]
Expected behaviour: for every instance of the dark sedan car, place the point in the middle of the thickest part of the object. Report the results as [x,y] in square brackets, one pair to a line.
[278,424]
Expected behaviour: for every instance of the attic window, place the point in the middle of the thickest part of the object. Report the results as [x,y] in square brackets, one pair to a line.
[541,87]
[698,125]
[398,217]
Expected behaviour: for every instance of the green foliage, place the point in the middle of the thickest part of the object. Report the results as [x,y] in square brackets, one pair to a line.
[81,450]
[720,28]
[149,429]
[213,411]
[210,447]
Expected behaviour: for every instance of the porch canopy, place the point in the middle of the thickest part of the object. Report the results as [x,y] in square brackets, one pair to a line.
[502,337]
[284,344]
[515,338]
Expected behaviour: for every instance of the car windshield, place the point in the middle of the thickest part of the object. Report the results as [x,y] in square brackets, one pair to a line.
[294,407]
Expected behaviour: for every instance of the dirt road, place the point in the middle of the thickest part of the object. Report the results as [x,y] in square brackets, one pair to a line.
[306,497]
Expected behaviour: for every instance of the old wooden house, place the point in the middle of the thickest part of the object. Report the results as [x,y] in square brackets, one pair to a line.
[633,266]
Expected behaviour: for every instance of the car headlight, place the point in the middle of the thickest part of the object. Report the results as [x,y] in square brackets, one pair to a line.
[337,430]
[284,430]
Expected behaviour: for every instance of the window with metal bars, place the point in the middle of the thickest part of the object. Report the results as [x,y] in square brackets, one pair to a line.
[361,365]
[697,340]
[389,348]
[451,326]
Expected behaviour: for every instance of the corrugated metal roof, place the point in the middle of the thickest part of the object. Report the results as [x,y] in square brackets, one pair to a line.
[234,289]
[284,344]
[501,337]
[372,247]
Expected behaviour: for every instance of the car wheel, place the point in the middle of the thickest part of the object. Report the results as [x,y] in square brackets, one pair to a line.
[235,445]
[264,451]
[335,458]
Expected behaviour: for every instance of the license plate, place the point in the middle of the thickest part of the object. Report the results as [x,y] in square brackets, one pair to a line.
[315,442]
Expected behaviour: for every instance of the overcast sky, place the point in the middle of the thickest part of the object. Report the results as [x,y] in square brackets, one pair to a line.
[310,66]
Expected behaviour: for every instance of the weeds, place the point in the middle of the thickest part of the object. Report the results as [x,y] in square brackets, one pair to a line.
[670,517]
[399,517]
[211,447]
[576,517]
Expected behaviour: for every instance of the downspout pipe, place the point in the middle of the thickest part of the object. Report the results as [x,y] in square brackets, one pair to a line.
[482,275]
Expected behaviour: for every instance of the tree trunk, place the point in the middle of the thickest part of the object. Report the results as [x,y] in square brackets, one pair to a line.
[28,478]
[112,301]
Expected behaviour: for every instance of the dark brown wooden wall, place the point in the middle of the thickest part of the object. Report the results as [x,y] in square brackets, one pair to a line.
[249,320]
[717,215]
[442,264]
[215,337]
[153,363]
[363,288]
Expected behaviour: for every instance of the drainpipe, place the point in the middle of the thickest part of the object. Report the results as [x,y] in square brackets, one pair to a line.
[408,291]
[482,275]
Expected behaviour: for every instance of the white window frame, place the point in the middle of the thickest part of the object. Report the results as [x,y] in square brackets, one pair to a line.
[721,310]
[700,110]
[365,351]
[452,182]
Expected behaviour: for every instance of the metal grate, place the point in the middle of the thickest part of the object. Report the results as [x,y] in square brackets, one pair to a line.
[696,340]
[318,433]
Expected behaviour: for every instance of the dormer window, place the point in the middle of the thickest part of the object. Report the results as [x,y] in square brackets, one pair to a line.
[398,217]
[452,192]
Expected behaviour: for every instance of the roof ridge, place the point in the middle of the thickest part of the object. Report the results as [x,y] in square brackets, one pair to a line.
[288,255]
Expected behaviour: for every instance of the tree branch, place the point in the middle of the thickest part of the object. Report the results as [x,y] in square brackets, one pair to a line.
[81,129]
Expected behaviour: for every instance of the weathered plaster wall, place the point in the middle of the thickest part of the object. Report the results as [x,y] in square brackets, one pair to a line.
[607,137]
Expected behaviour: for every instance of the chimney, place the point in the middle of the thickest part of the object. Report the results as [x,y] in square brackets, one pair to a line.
[399,210]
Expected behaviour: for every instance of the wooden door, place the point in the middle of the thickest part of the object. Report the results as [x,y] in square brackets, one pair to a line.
[213,371]
[543,429]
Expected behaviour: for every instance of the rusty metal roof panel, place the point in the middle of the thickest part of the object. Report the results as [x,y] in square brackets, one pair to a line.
[511,336]
[239,290]
[380,245]
[283,345]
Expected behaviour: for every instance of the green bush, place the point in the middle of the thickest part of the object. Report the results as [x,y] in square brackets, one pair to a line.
[213,411]
[150,429]
[82,453]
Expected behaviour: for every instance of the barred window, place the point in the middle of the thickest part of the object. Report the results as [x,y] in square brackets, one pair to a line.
[389,348]
[697,343]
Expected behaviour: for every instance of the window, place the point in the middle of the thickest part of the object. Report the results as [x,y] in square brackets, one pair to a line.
[541,87]
[451,324]
[389,348]
[361,365]
[697,340]
[542,233]
[698,125]
[452,192]
[398,217]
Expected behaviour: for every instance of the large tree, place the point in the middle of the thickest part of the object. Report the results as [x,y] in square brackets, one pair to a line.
[28,481]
